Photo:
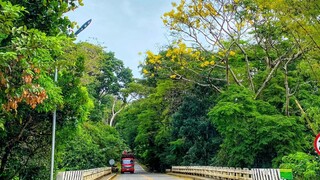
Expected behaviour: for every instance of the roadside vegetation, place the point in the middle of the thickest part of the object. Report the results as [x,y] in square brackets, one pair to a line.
[238,86]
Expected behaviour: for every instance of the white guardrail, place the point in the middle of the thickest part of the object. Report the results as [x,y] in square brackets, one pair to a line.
[228,172]
[88,174]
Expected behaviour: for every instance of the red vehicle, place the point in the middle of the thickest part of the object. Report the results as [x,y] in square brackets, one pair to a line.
[127,162]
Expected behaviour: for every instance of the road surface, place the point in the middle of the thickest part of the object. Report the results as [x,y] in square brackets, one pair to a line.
[141,174]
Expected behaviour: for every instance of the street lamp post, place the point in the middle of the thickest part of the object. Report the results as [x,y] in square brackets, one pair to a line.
[86,24]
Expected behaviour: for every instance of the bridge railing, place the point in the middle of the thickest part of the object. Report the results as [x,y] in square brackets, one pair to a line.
[228,172]
[88,174]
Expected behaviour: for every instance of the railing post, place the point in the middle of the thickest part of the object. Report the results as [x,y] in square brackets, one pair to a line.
[229,173]
[88,174]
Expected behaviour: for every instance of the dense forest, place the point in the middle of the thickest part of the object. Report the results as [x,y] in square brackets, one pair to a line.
[237,87]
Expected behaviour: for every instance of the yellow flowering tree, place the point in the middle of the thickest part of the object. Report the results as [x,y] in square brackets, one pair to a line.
[210,33]
[180,62]
[208,25]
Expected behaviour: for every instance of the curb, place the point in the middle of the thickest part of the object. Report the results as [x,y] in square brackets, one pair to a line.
[108,177]
[187,176]
[112,176]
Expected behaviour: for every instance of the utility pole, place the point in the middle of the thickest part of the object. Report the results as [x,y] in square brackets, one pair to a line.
[86,24]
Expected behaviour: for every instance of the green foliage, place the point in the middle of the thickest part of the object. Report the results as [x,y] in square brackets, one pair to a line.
[104,76]
[144,124]
[113,77]
[261,63]
[193,140]
[218,103]
[47,16]
[170,126]
[26,63]
[137,90]
[253,132]
[92,57]
[28,58]
[128,123]
[296,18]
[77,102]
[91,146]
[153,116]
[24,150]
[258,57]
[304,166]
[9,15]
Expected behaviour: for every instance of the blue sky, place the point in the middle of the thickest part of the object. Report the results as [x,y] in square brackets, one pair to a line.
[125,27]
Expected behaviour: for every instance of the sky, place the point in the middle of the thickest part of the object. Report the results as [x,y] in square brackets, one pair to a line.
[125,27]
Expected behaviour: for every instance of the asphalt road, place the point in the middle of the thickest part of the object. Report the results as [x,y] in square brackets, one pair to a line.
[143,175]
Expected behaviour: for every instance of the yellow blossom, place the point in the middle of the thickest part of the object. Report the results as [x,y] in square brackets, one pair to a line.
[205,64]
[221,53]
[210,9]
[151,61]
[145,71]
[165,21]
[173,76]
[232,53]
[173,58]
[169,52]
[149,54]
[240,25]
[182,46]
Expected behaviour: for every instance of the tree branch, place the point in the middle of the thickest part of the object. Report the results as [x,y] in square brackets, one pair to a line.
[278,61]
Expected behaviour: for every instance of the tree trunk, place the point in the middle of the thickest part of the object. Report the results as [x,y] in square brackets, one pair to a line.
[248,68]
[227,71]
[267,79]
[8,148]
[4,159]
[114,112]
[278,61]
[306,117]
[286,84]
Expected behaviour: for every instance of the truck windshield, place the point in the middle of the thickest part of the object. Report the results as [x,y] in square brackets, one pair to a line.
[127,161]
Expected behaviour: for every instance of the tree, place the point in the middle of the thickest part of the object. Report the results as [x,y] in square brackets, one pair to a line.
[222,32]
[28,92]
[47,16]
[254,133]
[145,124]
[91,146]
[193,139]
[303,165]
[214,29]
[300,19]
[253,65]
[109,78]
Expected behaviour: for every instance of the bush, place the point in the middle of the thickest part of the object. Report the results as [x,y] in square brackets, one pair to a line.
[304,166]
